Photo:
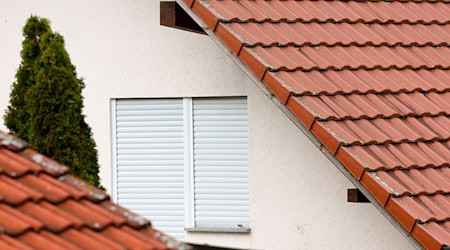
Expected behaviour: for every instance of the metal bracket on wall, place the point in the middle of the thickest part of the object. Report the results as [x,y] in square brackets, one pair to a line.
[173,15]
[354,195]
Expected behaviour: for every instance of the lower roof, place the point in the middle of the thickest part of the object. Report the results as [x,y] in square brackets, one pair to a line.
[42,206]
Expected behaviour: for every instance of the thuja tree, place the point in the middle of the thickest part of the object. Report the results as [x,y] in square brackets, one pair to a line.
[55,124]
[16,115]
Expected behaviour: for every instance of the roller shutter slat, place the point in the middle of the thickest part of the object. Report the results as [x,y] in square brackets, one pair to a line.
[220,144]
[150,161]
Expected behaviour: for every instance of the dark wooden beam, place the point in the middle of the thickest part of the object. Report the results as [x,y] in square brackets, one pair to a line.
[172,15]
[354,195]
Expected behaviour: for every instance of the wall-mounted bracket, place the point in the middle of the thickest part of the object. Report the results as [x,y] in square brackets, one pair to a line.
[172,15]
[354,195]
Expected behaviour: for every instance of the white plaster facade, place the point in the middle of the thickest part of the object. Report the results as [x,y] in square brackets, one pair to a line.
[297,196]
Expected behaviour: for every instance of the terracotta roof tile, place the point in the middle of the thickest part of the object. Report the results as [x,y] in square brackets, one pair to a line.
[339,58]
[362,81]
[39,241]
[88,239]
[15,222]
[356,106]
[51,192]
[403,155]
[392,130]
[370,79]
[332,34]
[9,243]
[44,207]
[49,219]
[337,11]
[416,181]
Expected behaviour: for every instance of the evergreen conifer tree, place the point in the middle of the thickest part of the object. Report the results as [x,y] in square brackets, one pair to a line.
[52,107]
[16,115]
[57,126]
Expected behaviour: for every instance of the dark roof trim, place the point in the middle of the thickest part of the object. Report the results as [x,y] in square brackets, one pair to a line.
[172,15]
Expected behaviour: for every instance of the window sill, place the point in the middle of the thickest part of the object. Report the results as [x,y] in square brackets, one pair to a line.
[217,230]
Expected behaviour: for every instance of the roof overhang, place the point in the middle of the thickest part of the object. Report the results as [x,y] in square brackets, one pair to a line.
[294,119]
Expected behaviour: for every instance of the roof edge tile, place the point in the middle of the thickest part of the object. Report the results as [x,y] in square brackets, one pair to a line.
[350,162]
[326,136]
[231,39]
[255,64]
[281,90]
[401,214]
[380,192]
[205,14]
[303,114]
[426,238]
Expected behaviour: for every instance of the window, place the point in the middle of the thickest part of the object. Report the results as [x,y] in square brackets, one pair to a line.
[183,162]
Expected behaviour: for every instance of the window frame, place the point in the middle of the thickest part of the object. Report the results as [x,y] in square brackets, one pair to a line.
[189,192]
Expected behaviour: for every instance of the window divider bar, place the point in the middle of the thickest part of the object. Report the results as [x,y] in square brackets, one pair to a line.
[113,123]
[188,135]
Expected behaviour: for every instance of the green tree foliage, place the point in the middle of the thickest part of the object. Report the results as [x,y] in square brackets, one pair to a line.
[55,125]
[16,115]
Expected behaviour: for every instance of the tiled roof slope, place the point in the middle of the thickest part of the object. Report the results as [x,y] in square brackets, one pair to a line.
[44,207]
[370,79]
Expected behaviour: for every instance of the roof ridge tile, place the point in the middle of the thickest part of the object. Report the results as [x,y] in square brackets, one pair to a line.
[51,166]
[92,193]
[12,142]
[134,220]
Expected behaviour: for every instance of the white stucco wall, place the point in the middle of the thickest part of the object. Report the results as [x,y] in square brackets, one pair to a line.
[297,197]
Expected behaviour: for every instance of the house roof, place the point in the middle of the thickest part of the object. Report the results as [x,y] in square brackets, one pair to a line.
[370,79]
[42,206]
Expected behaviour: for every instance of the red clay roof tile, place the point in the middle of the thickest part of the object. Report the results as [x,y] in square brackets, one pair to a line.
[15,222]
[332,34]
[392,130]
[88,239]
[431,235]
[370,79]
[44,207]
[402,156]
[51,192]
[308,11]
[361,81]
[356,106]
[7,242]
[39,241]
[292,58]
[49,219]
[57,239]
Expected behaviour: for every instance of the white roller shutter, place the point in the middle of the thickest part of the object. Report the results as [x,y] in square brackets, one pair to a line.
[220,162]
[150,162]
